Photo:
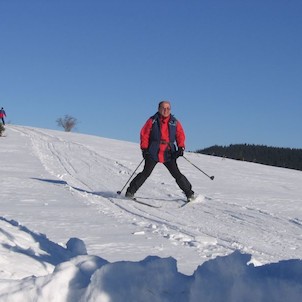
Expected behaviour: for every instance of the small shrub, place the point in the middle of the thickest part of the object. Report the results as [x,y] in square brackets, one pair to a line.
[67,122]
[2,129]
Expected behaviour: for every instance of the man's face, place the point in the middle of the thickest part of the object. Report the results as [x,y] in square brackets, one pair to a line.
[164,109]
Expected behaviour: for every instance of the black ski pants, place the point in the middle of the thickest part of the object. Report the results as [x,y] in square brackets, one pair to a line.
[171,165]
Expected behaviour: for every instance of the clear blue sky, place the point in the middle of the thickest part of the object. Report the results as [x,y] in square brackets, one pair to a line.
[232,69]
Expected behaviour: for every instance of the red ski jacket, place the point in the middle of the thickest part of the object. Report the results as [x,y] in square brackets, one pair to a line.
[161,136]
[2,113]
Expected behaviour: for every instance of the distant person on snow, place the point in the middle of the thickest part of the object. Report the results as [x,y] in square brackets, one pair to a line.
[2,115]
[162,139]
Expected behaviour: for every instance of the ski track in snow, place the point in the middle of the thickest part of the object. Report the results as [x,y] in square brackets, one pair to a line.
[195,226]
[166,221]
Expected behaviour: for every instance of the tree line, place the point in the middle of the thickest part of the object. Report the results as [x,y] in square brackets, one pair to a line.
[272,156]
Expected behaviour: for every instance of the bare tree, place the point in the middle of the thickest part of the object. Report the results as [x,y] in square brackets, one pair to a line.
[67,122]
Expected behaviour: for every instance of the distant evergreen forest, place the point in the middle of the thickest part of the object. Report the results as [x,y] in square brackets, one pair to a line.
[272,156]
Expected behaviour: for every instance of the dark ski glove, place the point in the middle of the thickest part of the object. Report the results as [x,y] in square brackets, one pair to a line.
[145,153]
[180,152]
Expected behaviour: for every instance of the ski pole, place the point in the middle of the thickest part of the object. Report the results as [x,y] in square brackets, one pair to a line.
[211,177]
[119,192]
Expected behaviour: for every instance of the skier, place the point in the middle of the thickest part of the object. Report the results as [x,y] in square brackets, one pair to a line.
[2,115]
[162,139]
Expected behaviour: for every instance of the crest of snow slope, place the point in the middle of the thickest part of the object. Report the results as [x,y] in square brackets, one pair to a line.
[63,185]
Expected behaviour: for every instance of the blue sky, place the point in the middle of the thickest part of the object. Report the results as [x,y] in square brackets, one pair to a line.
[232,69]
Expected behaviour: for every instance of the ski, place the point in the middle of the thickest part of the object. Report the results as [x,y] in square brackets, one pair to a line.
[139,201]
[143,203]
[186,203]
[197,199]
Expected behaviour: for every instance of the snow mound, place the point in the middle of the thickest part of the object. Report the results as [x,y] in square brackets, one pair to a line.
[76,276]
[227,278]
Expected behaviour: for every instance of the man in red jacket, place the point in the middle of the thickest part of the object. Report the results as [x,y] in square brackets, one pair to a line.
[162,140]
[2,115]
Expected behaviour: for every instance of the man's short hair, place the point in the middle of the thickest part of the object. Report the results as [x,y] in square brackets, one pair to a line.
[160,103]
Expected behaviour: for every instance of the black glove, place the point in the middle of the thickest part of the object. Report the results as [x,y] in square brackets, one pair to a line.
[145,153]
[180,152]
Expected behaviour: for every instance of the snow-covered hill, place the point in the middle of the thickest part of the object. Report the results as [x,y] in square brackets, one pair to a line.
[67,236]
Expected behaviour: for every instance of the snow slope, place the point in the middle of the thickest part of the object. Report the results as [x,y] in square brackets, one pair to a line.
[67,236]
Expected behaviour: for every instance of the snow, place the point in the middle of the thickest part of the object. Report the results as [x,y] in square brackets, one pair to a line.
[66,235]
